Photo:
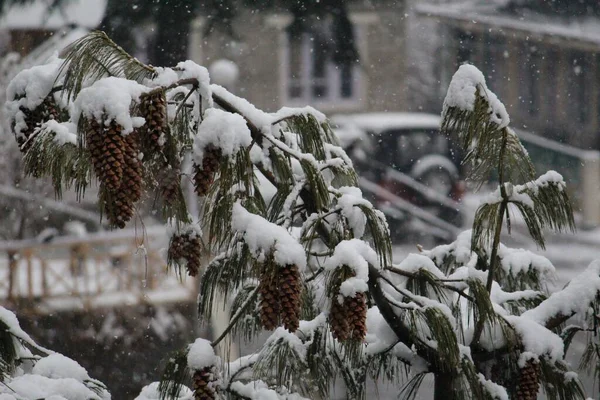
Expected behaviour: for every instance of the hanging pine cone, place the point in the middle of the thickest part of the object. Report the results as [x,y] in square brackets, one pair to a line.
[338,321]
[122,208]
[154,110]
[529,384]
[194,252]
[47,110]
[132,168]
[356,309]
[186,249]
[204,175]
[269,301]
[203,384]
[290,292]
[170,185]
[106,144]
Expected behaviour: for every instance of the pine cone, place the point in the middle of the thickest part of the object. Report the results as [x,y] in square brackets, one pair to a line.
[170,185]
[204,175]
[106,145]
[132,168]
[154,110]
[122,209]
[529,384]
[290,291]
[177,248]
[203,384]
[269,301]
[194,252]
[186,249]
[356,309]
[47,110]
[338,320]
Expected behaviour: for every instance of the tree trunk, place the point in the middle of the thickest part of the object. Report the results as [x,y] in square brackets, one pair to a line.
[444,387]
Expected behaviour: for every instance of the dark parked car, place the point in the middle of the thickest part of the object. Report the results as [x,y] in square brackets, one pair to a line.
[406,154]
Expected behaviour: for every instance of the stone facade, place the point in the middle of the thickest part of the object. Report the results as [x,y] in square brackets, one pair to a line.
[268,64]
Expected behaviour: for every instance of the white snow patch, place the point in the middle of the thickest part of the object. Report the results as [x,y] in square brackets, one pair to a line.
[201,355]
[150,392]
[57,366]
[223,130]
[575,298]
[462,94]
[110,99]
[263,236]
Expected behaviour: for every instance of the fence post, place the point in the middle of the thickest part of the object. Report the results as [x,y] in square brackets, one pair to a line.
[590,181]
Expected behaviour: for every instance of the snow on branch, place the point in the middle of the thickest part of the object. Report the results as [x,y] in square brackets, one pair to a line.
[575,298]
[261,235]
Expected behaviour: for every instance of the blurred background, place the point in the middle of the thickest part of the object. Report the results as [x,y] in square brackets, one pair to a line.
[378,68]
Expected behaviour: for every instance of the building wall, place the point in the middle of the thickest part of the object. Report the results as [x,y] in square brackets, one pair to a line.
[263,61]
[548,84]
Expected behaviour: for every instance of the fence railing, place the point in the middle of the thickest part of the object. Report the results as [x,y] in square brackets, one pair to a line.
[95,270]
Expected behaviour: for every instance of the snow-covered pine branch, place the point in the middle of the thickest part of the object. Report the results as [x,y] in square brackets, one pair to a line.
[311,261]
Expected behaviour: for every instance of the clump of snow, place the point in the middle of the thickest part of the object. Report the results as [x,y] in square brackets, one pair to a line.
[201,355]
[258,118]
[34,84]
[286,112]
[349,201]
[460,249]
[110,99]
[223,130]
[414,262]
[259,390]
[191,70]
[515,261]
[549,178]
[466,83]
[28,89]
[30,386]
[57,366]
[379,334]
[536,338]
[64,132]
[575,298]
[496,391]
[10,319]
[357,255]
[150,392]
[224,72]
[290,339]
[261,235]
[165,77]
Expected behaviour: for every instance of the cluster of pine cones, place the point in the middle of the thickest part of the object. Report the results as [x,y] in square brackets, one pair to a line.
[203,384]
[348,317]
[280,290]
[185,249]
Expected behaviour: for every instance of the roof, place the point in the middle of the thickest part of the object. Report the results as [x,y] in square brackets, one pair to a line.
[378,122]
[36,15]
[581,28]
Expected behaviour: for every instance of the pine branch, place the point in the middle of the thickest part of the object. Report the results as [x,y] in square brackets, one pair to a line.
[95,56]
[233,320]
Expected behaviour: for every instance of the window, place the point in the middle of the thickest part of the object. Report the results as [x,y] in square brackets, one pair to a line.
[529,88]
[311,76]
[577,82]
[494,63]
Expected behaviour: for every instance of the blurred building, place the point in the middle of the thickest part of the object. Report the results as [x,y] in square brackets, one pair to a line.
[25,27]
[542,58]
[276,70]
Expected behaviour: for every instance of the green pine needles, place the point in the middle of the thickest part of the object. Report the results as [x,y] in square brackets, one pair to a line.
[298,251]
